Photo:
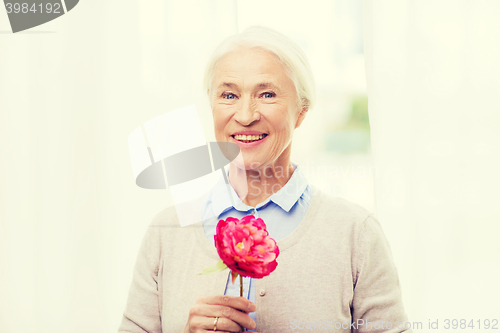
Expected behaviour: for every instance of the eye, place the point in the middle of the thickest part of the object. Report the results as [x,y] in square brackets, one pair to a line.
[268,94]
[228,96]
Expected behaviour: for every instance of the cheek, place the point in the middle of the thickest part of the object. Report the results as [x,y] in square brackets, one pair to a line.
[280,118]
[221,120]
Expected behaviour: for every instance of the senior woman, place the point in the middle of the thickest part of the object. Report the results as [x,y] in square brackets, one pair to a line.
[335,269]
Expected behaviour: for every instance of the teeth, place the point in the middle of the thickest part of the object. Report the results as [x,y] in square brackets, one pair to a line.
[249,137]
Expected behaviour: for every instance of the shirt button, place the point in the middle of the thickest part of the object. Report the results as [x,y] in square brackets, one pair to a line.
[262,292]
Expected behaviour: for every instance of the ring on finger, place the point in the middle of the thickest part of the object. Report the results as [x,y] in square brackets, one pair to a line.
[215,323]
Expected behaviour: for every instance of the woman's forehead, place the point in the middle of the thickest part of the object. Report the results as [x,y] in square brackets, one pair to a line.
[253,67]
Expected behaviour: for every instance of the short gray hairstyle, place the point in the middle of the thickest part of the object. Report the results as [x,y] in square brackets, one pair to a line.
[289,53]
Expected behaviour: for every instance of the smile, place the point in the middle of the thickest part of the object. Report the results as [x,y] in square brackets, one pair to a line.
[249,138]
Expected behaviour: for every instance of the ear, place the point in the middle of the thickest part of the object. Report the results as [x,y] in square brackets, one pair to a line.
[302,115]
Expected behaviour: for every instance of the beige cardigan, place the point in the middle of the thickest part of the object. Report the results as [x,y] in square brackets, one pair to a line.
[333,270]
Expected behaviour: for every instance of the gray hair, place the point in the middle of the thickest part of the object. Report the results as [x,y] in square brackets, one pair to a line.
[289,53]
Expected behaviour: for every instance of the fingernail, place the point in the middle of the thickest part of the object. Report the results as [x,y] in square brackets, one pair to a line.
[252,307]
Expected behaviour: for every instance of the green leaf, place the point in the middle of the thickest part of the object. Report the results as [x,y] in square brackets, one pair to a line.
[234,276]
[220,266]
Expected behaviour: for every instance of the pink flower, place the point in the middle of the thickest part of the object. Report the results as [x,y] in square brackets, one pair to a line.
[245,246]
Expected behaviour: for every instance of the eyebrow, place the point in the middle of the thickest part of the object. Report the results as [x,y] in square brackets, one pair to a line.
[258,85]
[227,84]
[267,85]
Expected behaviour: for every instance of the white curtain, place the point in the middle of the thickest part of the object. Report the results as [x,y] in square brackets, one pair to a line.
[71,91]
[433,79]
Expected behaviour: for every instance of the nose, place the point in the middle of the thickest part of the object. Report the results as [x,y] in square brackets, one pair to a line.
[247,112]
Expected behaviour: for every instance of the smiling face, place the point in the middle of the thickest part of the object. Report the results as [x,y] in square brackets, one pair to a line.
[254,104]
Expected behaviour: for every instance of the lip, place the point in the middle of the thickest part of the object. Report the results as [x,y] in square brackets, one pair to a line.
[248,133]
[249,144]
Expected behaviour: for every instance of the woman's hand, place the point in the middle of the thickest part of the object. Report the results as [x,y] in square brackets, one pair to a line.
[232,312]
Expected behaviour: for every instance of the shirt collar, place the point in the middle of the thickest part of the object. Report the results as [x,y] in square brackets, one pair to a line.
[224,197]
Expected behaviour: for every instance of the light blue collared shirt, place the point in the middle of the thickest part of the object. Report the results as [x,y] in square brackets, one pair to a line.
[282,212]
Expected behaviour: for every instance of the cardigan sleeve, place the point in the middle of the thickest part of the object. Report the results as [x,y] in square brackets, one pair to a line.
[142,312]
[377,305]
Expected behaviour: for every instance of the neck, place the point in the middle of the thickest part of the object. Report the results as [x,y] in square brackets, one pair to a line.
[261,183]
